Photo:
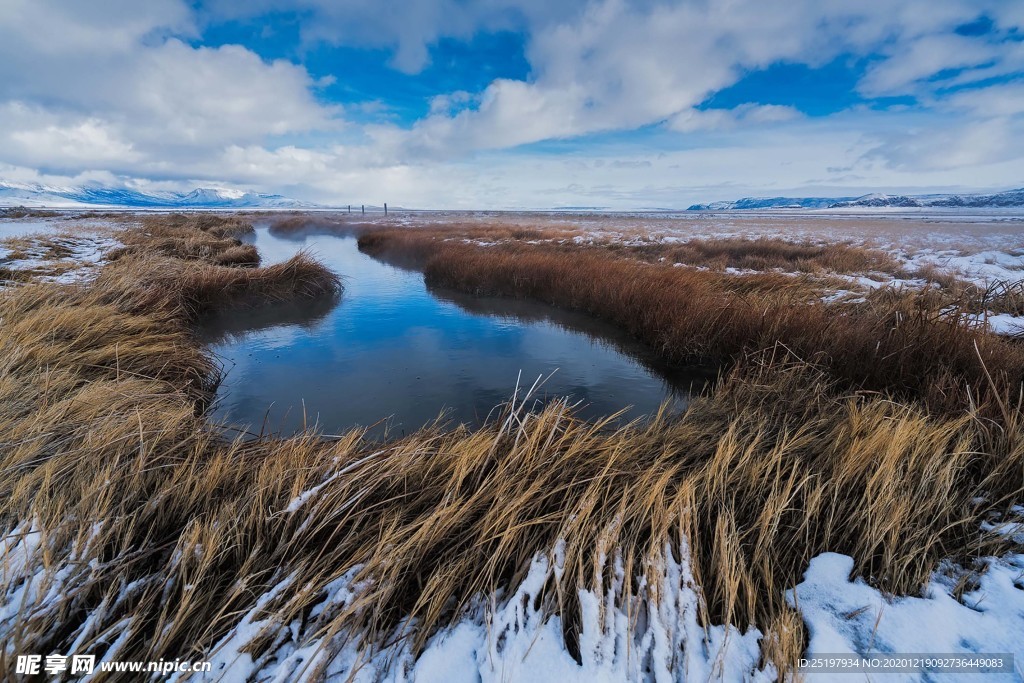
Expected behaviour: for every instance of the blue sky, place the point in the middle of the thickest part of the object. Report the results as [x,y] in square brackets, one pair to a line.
[515,103]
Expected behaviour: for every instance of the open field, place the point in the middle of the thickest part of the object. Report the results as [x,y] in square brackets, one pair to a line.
[885,425]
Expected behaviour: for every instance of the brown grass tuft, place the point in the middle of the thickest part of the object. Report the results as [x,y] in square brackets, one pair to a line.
[768,253]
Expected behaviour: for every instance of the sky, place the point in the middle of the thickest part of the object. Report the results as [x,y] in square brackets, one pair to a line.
[515,103]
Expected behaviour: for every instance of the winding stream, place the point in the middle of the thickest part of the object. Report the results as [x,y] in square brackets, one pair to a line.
[391,354]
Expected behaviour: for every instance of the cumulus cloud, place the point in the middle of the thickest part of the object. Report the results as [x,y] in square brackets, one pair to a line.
[407,27]
[126,90]
[113,83]
[623,65]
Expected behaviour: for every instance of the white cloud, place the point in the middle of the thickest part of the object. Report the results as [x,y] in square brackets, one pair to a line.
[106,84]
[114,90]
[914,62]
[624,65]
[690,120]
[1005,99]
[408,27]
[219,95]
[32,135]
[55,28]
[956,146]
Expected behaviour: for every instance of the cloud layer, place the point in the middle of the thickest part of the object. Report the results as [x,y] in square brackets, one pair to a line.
[614,107]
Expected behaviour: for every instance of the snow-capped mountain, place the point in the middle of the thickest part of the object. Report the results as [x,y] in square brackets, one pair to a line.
[769,203]
[1010,198]
[34,195]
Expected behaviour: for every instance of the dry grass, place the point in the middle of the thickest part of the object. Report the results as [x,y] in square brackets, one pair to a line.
[902,342]
[769,253]
[15,275]
[157,534]
[39,247]
[765,473]
[204,237]
[192,265]
[995,296]
[33,257]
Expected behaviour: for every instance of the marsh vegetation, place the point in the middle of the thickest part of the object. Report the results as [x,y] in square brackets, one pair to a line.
[889,430]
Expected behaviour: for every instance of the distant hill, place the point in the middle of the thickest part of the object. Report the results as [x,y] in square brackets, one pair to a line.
[975,201]
[35,195]
[1009,198]
[770,203]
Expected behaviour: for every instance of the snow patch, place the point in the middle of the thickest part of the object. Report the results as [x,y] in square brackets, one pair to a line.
[513,638]
[851,617]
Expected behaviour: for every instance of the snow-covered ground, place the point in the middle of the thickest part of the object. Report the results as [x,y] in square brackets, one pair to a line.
[508,638]
[53,250]
[845,617]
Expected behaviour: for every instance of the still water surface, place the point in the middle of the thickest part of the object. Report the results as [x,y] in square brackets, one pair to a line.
[391,354]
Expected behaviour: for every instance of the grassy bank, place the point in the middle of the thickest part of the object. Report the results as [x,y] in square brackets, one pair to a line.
[134,530]
[902,342]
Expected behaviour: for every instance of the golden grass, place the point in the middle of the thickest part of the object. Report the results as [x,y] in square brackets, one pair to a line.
[768,471]
[158,533]
[768,253]
[206,237]
[903,342]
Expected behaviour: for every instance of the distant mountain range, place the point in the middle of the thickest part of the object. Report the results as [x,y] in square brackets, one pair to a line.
[34,195]
[1010,198]
[770,203]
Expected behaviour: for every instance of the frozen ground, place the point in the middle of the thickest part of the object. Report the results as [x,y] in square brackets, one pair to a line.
[56,249]
[508,638]
[979,245]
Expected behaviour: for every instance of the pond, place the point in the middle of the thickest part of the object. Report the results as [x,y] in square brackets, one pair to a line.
[392,355]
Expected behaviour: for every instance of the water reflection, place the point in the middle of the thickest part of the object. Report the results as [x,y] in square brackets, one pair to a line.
[391,348]
[682,381]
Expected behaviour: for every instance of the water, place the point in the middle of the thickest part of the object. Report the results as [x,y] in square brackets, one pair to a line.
[392,355]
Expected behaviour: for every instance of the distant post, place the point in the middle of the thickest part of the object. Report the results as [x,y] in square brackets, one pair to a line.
[350,208]
[385,208]
[362,207]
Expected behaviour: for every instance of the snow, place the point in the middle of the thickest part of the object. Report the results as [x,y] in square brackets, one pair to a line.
[850,617]
[982,266]
[86,250]
[1005,324]
[511,639]
[514,639]
[25,227]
